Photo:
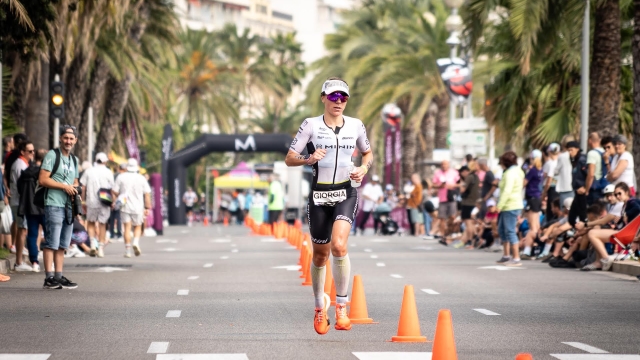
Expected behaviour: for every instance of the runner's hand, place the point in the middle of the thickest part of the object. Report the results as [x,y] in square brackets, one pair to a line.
[316,156]
[357,174]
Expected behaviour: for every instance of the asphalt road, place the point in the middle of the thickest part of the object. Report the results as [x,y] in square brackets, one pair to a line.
[240,303]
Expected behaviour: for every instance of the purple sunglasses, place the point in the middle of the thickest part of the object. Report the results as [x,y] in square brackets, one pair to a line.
[333,97]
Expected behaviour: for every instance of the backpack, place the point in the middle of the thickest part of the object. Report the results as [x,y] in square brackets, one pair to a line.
[599,185]
[41,191]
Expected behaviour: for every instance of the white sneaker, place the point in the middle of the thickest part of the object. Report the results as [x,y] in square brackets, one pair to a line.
[79,254]
[127,253]
[25,251]
[136,250]
[72,251]
[108,235]
[13,249]
[22,267]
[40,255]
[36,267]
[100,251]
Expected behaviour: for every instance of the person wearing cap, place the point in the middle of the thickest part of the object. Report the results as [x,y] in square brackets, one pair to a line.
[598,238]
[372,195]
[330,140]
[596,170]
[135,188]
[95,180]
[533,195]
[490,222]
[622,165]
[549,184]
[61,184]
[563,171]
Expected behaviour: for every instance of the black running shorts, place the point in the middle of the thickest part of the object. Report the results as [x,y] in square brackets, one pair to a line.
[321,218]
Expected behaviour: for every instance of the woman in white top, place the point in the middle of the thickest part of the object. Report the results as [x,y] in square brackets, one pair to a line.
[549,183]
[622,165]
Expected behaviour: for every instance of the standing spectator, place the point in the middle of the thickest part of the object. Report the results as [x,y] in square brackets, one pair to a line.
[137,192]
[8,163]
[390,196]
[7,146]
[189,199]
[95,180]
[26,150]
[622,165]
[470,193]
[488,186]
[446,179]
[115,221]
[248,202]
[578,210]
[549,188]
[609,152]
[34,215]
[510,205]
[61,182]
[4,201]
[276,199]
[414,204]
[563,172]
[533,193]
[596,170]
[241,206]
[373,195]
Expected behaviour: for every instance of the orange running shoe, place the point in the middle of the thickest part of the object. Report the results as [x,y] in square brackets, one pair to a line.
[321,321]
[342,320]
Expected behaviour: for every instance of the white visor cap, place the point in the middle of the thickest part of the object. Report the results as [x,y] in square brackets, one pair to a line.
[331,86]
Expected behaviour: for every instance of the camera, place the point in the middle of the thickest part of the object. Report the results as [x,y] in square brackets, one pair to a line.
[77,202]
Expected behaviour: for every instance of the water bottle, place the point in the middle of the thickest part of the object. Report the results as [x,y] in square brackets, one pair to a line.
[354,183]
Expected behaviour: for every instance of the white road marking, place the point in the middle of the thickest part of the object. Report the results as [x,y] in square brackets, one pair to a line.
[397,276]
[158,348]
[501,268]
[202,357]
[224,257]
[234,250]
[288,267]
[381,264]
[587,348]
[165,241]
[170,249]
[368,250]
[380,240]
[353,245]
[24,356]
[183,292]
[220,240]
[208,265]
[422,248]
[271,240]
[374,256]
[393,355]
[234,245]
[595,357]
[109,269]
[193,277]
[486,312]
[174,313]
[430,291]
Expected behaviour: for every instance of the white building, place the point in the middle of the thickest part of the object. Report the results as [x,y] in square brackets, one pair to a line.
[257,15]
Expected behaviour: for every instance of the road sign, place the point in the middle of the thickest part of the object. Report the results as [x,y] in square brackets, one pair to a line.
[469,138]
[471,124]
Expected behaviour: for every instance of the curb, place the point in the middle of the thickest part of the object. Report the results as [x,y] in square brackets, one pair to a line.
[627,267]
[5,265]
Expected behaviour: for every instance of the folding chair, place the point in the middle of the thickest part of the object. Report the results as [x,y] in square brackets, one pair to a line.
[625,236]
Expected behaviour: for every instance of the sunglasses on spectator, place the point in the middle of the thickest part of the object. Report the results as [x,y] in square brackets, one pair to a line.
[30,151]
[608,147]
[618,194]
[333,97]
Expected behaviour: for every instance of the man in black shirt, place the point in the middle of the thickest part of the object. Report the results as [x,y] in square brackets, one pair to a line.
[488,186]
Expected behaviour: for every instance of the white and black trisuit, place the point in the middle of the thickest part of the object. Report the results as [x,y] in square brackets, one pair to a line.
[332,172]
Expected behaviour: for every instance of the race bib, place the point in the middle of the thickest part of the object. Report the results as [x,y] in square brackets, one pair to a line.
[329,198]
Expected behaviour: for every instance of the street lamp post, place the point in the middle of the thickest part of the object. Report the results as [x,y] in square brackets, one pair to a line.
[453,24]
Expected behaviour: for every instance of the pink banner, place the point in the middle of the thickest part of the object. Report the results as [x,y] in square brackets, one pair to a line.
[397,183]
[388,156]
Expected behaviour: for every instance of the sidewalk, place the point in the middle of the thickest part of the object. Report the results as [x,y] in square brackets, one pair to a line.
[627,267]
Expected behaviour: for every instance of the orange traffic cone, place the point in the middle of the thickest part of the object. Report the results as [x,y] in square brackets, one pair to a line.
[225,221]
[409,325]
[524,356]
[206,221]
[358,313]
[444,345]
[307,279]
[304,264]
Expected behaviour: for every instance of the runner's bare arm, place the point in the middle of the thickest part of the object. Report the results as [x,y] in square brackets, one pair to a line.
[295,159]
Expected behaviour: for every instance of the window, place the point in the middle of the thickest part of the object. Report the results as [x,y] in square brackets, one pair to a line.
[261,9]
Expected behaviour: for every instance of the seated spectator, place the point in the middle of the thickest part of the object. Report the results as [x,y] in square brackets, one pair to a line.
[579,241]
[554,231]
[489,225]
[80,243]
[598,238]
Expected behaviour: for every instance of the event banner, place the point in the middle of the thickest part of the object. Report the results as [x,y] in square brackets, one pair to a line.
[156,201]
[167,151]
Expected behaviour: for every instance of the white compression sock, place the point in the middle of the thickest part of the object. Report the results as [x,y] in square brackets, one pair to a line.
[341,271]
[136,241]
[547,248]
[318,275]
